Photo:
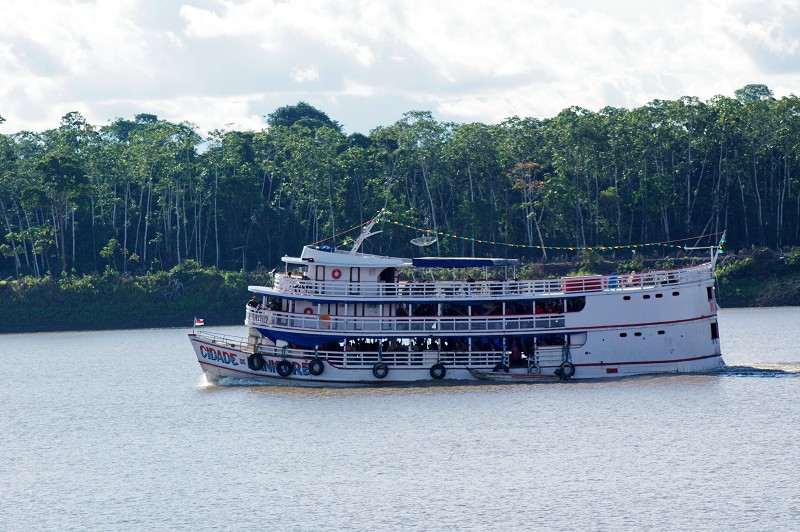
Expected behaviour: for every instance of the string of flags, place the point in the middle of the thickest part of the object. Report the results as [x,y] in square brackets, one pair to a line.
[667,244]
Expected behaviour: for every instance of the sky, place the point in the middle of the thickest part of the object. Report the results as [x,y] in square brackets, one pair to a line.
[226,64]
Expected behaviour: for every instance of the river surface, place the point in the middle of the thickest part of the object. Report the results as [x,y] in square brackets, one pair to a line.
[118,430]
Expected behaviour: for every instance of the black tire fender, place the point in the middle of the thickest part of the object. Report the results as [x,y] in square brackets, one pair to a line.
[380,370]
[284,368]
[438,371]
[567,370]
[316,367]
[255,362]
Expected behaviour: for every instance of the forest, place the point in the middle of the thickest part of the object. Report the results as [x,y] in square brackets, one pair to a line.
[145,195]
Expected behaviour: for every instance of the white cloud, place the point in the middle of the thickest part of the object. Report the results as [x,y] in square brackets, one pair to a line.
[215,62]
[301,75]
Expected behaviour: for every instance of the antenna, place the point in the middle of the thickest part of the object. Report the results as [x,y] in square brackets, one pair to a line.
[715,251]
[365,233]
[424,241]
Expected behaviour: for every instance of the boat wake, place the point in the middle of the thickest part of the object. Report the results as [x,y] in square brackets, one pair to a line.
[762,370]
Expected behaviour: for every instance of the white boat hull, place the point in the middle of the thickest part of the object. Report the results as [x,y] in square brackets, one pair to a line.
[229,360]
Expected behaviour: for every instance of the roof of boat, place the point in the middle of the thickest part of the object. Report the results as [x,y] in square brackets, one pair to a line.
[334,257]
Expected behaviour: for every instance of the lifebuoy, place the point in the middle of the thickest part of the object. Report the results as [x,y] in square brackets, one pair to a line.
[255,362]
[380,370]
[308,310]
[438,371]
[284,368]
[316,367]
[565,371]
[336,273]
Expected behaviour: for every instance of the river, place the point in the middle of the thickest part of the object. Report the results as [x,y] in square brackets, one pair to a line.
[117,430]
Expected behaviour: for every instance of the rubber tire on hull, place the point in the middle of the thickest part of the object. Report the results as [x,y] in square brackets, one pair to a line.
[438,371]
[316,367]
[255,362]
[284,368]
[534,369]
[380,370]
[565,371]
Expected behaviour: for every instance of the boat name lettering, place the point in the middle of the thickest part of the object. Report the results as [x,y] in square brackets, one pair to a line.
[219,355]
[297,368]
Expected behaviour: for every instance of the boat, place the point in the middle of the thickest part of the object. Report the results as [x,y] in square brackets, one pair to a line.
[337,317]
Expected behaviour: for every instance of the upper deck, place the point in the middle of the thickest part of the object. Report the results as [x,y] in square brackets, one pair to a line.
[340,290]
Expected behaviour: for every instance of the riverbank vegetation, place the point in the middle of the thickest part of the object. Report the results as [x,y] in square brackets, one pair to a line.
[144,194]
[113,300]
[105,219]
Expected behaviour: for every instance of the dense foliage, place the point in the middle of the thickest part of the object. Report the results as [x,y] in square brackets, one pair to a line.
[112,300]
[146,194]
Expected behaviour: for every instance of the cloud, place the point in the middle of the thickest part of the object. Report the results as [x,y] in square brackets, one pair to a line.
[301,75]
[216,62]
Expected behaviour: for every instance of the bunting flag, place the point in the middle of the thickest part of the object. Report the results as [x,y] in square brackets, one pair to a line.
[667,244]
[199,322]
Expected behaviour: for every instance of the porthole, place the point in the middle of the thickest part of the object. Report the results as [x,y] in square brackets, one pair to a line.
[661,332]
[637,334]
[676,293]
[626,298]
[646,296]
[623,335]
[659,295]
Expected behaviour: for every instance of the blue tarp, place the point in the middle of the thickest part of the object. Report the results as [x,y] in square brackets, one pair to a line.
[303,340]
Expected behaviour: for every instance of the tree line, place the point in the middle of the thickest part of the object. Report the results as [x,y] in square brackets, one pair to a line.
[147,194]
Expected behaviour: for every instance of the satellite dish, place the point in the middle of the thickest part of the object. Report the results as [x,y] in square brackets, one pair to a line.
[424,241]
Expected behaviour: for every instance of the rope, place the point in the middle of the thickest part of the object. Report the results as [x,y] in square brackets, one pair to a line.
[340,233]
[666,243]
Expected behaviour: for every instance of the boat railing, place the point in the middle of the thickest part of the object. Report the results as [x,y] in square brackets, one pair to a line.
[411,357]
[459,290]
[401,324]
[236,342]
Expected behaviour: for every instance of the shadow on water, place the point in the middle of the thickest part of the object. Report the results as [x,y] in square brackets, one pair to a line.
[762,370]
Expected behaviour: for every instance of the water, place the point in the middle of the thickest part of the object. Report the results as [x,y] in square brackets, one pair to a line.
[117,430]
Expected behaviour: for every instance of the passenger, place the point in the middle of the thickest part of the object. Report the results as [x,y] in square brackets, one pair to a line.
[253,302]
[516,354]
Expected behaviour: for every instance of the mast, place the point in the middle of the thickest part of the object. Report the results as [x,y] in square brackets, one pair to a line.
[365,232]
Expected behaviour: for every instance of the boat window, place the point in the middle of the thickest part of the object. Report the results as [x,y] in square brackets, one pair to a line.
[576,304]
[714,330]
[320,273]
[577,339]
[549,306]
[710,292]
[626,298]
[661,332]
[637,334]
[676,293]
[623,335]
[646,296]
[659,295]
